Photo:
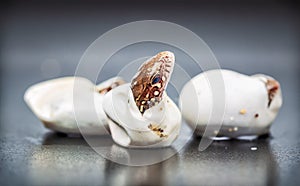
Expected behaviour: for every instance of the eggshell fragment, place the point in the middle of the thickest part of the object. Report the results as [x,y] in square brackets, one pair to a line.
[251,103]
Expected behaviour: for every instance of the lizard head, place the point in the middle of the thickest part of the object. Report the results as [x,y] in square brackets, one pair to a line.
[151,80]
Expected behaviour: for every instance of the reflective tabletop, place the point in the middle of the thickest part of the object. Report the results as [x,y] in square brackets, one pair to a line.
[44,40]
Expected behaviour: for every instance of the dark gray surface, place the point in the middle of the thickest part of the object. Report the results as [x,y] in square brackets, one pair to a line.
[40,41]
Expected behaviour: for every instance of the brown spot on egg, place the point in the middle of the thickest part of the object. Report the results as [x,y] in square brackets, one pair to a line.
[243,111]
[111,86]
[272,88]
[256,115]
[157,130]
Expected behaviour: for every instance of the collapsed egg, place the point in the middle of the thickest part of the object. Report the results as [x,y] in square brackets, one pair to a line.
[52,102]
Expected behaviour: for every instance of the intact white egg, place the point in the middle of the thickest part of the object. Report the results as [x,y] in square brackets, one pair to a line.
[251,103]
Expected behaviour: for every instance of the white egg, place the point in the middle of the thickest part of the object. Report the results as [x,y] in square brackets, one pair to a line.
[52,102]
[251,103]
[159,126]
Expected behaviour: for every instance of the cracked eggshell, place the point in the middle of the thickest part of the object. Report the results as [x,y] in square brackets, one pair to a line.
[52,102]
[251,103]
[158,127]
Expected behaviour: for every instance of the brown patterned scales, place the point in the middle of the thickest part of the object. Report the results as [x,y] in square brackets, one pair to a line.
[151,80]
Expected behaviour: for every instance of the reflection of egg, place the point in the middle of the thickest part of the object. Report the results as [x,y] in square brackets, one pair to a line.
[251,103]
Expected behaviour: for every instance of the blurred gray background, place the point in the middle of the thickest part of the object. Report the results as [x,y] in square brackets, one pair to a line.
[40,40]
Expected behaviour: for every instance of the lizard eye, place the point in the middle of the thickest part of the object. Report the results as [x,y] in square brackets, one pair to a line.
[155,80]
